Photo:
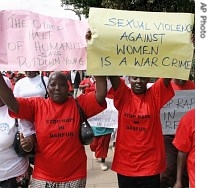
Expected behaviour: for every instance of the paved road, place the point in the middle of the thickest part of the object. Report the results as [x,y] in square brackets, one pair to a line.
[96,177]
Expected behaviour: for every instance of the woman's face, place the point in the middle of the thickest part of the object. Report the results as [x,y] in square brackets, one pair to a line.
[138,84]
[58,87]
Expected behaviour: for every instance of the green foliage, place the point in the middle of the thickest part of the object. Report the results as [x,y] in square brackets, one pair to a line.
[138,5]
[152,5]
[82,5]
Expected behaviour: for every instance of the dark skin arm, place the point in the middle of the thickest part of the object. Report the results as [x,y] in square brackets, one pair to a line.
[115,81]
[7,96]
[101,83]
[101,89]
[181,160]
[166,81]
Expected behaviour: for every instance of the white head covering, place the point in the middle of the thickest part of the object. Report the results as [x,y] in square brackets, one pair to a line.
[8,82]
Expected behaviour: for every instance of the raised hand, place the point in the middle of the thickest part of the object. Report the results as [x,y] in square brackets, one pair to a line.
[88,35]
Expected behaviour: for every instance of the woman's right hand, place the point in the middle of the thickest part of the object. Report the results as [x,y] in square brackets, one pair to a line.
[88,35]
[27,143]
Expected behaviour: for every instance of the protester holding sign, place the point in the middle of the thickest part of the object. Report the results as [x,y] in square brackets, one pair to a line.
[140,45]
[168,177]
[184,141]
[57,125]
[139,156]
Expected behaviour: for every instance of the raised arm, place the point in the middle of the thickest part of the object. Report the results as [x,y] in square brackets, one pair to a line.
[166,81]
[7,96]
[115,81]
[101,88]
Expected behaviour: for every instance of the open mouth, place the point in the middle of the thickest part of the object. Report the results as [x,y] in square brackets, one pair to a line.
[138,87]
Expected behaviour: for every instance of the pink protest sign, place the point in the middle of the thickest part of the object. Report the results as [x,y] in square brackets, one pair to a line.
[30,41]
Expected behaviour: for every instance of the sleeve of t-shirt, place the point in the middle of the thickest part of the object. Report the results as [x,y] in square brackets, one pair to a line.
[26,127]
[182,139]
[162,93]
[16,88]
[85,81]
[90,105]
[82,82]
[26,109]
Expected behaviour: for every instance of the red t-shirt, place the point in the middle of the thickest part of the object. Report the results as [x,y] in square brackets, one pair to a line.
[185,141]
[60,156]
[189,85]
[92,85]
[139,147]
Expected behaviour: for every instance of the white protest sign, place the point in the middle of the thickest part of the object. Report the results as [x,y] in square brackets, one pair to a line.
[107,118]
[172,112]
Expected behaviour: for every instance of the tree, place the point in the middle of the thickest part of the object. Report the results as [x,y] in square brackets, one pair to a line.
[82,6]
[137,5]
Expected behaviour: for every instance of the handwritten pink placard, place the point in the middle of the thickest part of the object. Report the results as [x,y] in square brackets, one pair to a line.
[30,41]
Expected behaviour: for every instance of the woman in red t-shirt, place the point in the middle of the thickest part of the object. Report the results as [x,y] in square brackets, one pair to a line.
[60,158]
[139,156]
[87,85]
[184,141]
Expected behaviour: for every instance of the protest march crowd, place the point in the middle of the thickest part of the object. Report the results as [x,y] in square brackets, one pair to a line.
[42,111]
[103,135]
